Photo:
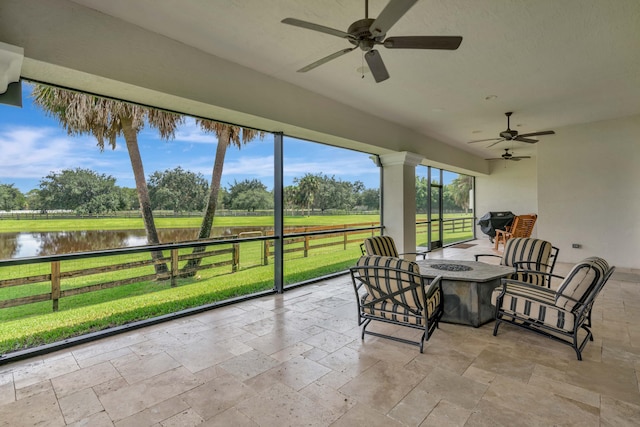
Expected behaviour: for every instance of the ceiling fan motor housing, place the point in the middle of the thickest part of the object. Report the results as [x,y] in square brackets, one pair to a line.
[509,134]
[362,37]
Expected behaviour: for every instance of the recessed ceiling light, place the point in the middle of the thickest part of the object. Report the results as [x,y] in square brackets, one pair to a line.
[490,97]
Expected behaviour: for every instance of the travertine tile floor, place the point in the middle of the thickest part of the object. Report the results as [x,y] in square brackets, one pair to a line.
[297,359]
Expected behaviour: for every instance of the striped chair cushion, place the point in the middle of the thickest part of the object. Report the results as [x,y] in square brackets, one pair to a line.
[580,281]
[381,245]
[536,305]
[408,306]
[535,251]
[532,278]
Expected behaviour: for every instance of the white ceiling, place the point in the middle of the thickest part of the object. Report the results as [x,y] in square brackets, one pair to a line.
[552,62]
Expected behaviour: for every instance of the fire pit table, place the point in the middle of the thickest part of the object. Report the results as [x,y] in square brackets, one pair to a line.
[467,287]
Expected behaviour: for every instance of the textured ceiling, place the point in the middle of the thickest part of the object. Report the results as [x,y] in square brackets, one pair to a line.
[553,63]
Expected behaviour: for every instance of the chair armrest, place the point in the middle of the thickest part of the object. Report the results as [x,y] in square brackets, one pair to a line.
[490,255]
[434,286]
[524,289]
[541,273]
[424,254]
[520,267]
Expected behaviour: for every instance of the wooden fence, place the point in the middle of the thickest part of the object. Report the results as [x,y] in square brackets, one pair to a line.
[214,254]
[227,255]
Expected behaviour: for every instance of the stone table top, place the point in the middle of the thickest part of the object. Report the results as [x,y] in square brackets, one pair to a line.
[470,271]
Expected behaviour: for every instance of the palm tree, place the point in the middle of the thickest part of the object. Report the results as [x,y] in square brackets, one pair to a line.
[308,186]
[460,188]
[226,135]
[106,119]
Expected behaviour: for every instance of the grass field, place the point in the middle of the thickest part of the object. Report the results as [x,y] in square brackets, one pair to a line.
[35,324]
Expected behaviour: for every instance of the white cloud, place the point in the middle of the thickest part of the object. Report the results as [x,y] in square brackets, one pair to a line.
[34,152]
[252,166]
[191,132]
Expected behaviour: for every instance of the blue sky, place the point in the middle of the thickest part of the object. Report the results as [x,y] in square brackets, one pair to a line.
[33,145]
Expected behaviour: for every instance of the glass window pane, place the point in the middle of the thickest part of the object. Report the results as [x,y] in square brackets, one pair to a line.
[457,207]
[326,188]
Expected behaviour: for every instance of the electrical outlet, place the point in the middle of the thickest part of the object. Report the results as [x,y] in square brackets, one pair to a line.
[576,245]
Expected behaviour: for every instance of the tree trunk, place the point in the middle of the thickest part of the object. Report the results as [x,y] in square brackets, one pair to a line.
[131,138]
[212,203]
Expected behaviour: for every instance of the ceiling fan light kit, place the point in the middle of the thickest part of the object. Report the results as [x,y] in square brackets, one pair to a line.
[509,156]
[367,33]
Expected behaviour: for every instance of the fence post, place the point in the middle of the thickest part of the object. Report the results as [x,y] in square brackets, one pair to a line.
[265,253]
[55,283]
[306,246]
[236,257]
[174,267]
[345,237]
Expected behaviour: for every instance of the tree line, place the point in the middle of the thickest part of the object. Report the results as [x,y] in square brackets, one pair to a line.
[88,192]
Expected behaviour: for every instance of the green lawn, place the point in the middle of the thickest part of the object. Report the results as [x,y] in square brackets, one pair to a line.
[35,324]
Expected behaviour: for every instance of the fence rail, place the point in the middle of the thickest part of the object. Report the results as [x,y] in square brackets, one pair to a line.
[227,252]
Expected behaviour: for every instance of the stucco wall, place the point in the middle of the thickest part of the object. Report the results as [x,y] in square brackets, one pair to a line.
[511,186]
[588,191]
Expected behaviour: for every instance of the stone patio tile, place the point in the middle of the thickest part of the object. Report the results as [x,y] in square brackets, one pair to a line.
[147,367]
[79,405]
[38,410]
[281,405]
[84,378]
[33,371]
[129,400]
[154,415]
[217,395]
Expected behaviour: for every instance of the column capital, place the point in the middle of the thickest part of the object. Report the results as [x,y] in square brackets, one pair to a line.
[402,158]
[10,65]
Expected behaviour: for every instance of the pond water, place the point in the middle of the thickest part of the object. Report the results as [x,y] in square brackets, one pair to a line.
[21,245]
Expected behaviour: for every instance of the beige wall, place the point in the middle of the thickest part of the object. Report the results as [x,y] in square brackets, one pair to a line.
[511,186]
[584,184]
[589,191]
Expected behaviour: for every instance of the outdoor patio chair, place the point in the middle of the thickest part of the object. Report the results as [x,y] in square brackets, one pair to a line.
[529,256]
[522,226]
[384,246]
[561,315]
[391,290]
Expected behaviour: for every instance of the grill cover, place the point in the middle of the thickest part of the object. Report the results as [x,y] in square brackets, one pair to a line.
[495,220]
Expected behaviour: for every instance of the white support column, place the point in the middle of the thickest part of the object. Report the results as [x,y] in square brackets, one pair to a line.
[399,203]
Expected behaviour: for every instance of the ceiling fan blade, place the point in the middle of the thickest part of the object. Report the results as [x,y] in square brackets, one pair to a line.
[485,140]
[393,11]
[316,27]
[523,139]
[325,60]
[496,158]
[378,70]
[517,158]
[423,42]
[545,132]
[497,142]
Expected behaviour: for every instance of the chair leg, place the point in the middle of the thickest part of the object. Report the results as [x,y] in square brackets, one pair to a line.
[495,327]
[364,326]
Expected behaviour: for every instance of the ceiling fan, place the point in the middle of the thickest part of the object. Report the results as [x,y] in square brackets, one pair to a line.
[512,135]
[508,156]
[367,33]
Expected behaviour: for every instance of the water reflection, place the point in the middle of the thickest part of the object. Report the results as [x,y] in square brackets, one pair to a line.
[21,245]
